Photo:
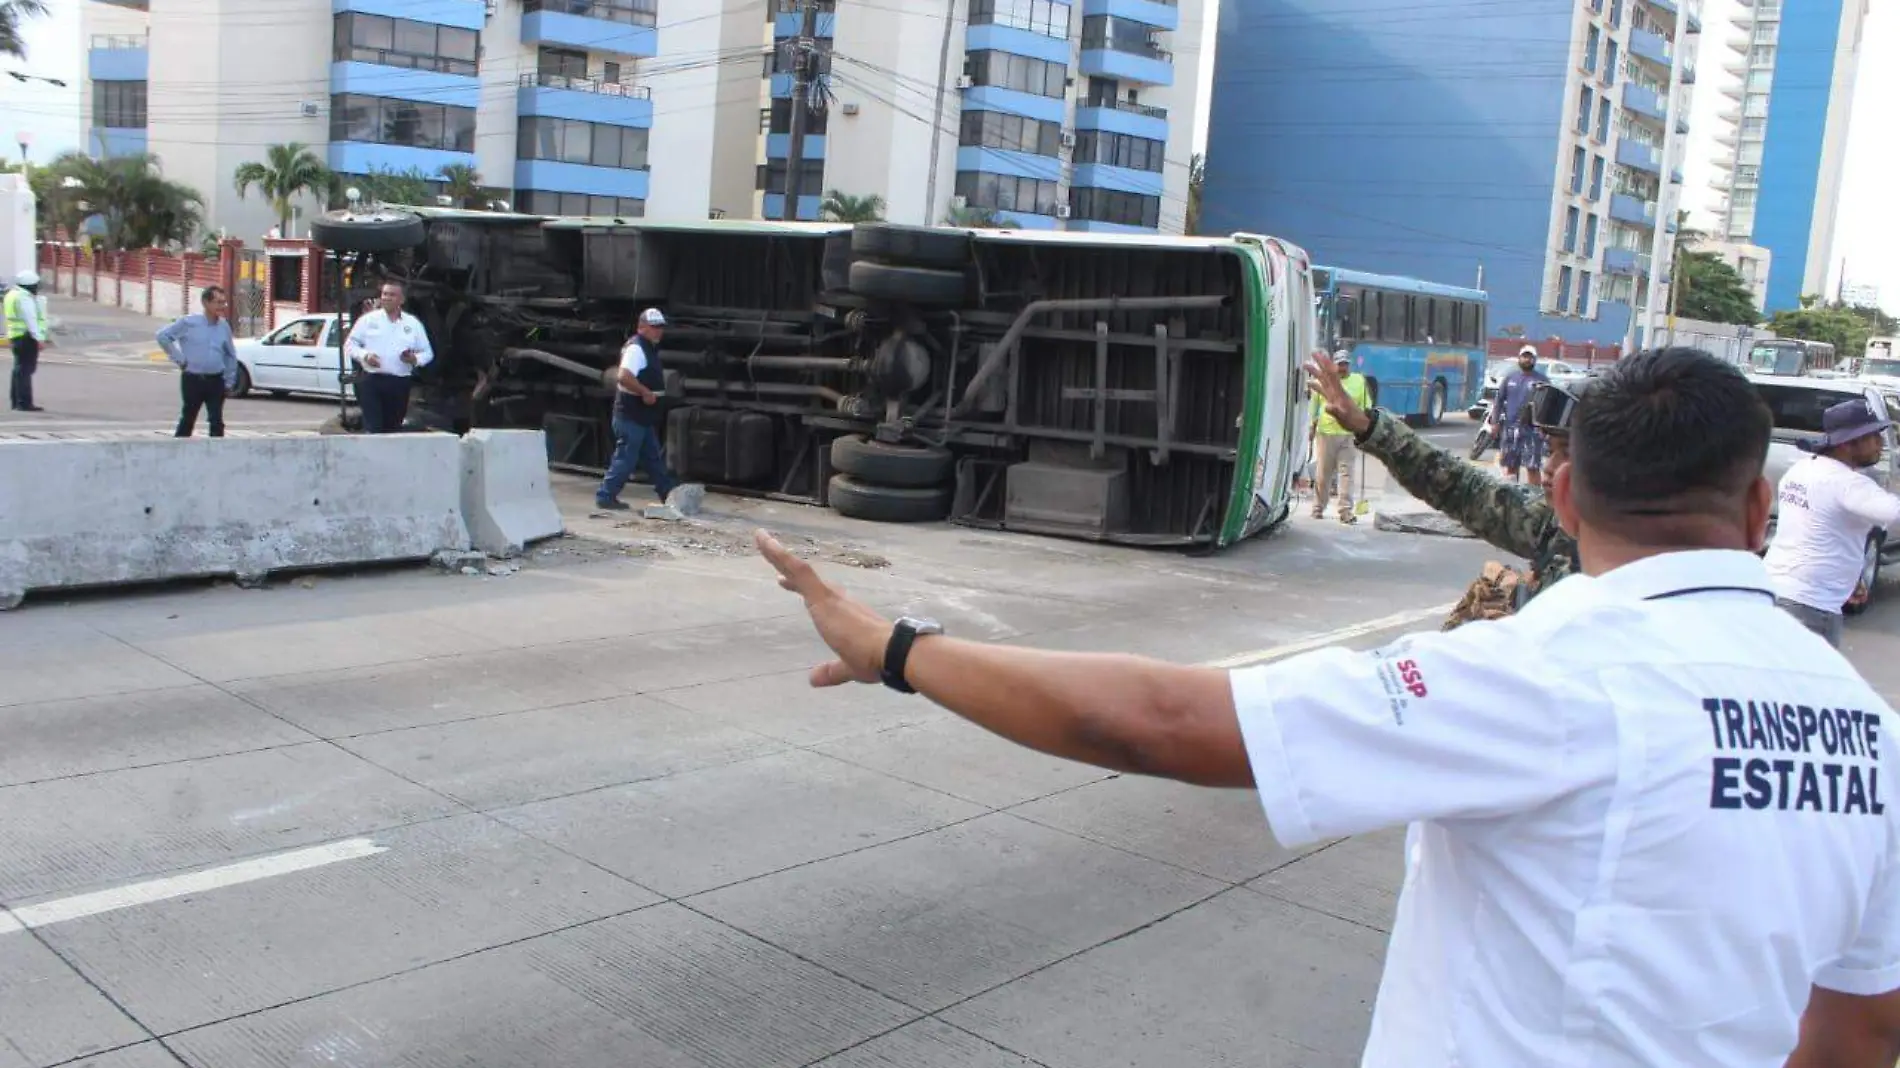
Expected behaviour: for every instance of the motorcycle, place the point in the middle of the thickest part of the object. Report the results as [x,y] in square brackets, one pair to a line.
[1487,435]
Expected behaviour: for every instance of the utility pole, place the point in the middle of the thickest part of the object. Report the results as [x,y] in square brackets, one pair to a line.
[1662,247]
[804,58]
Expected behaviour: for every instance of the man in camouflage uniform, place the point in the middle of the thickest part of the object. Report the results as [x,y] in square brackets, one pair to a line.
[1513,517]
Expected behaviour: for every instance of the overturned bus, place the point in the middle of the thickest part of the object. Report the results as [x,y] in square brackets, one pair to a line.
[1131,389]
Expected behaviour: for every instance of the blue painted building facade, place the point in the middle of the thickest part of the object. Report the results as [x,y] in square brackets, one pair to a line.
[1793,149]
[118,67]
[1525,143]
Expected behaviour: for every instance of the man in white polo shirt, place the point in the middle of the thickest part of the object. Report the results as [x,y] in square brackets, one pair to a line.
[390,344]
[1647,843]
[1828,508]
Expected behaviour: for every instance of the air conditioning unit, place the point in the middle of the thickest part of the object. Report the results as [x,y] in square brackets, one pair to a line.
[964,81]
[850,109]
[1062,211]
[308,109]
[1068,139]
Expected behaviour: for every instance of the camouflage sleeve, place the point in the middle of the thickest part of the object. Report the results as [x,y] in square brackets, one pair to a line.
[1510,517]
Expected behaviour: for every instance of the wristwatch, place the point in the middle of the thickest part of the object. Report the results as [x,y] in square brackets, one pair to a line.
[897,653]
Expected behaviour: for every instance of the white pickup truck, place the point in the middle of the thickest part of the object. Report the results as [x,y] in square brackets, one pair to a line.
[1797,404]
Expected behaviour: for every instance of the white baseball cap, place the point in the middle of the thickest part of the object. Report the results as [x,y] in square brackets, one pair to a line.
[27,278]
[1341,356]
[652,317]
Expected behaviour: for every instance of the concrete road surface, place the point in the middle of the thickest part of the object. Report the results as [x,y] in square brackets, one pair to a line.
[588,813]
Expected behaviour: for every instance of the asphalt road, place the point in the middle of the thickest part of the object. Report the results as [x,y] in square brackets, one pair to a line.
[588,813]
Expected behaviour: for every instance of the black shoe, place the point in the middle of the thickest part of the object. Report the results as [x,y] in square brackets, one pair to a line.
[29,408]
[612,506]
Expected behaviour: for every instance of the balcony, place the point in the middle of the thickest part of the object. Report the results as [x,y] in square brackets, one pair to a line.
[117,58]
[1161,14]
[1626,208]
[370,78]
[1643,101]
[1633,153]
[364,157]
[107,141]
[557,177]
[779,146]
[1123,179]
[587,99]
[808,205]
[1651,46]
[623,27]
[1619,261]
[1122,116]
[1144,63]
[997,37]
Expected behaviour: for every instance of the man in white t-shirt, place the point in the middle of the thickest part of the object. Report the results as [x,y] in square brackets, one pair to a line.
[1828,509]
[1649,842]
[389,344]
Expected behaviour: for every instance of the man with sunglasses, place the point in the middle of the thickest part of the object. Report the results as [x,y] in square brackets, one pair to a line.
[1513,517]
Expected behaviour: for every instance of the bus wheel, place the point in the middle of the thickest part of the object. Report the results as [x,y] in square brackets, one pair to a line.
[1435,407]
[888,504]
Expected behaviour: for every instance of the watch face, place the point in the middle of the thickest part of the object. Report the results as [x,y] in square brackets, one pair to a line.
[922,626]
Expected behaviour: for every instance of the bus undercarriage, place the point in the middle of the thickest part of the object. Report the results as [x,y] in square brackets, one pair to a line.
[1058,384]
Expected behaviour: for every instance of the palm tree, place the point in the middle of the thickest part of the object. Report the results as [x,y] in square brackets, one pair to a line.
[980,219]
[12,13]
[1197,173]
[138,206]
[289,170]
[463,184]
[840,206]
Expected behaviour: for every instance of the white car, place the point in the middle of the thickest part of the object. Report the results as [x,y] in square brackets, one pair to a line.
[301,356]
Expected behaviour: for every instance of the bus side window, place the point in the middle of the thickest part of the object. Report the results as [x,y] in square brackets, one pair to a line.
[1392,308]
[1346,318]
[1368,315]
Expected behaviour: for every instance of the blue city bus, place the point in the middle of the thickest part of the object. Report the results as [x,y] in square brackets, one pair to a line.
[1419,344]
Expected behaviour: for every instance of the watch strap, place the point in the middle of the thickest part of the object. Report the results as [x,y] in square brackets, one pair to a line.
[897,651]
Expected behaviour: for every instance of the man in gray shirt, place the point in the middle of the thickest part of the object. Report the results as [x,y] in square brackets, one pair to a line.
[201,346]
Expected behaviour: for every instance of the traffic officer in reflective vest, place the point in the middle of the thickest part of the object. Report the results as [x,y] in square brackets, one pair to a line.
[26,335]
[1648,829]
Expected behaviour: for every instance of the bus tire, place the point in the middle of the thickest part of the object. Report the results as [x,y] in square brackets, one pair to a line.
[916,246]
[1435,403]
[879,464]
[887,504]
[378,230]
[907,285]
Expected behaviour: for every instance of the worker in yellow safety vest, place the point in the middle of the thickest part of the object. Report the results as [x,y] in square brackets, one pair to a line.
[26,335]
[1333,447]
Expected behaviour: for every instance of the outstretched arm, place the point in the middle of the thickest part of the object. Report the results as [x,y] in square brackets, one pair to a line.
[1509,517]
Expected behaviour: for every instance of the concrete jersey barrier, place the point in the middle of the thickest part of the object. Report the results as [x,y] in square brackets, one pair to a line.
[507,499]
[78,513]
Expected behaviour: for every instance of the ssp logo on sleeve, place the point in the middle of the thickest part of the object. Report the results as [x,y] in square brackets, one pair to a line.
[1402,678]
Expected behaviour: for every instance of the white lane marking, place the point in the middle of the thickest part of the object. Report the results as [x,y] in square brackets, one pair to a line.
[79,906]
[1331,637]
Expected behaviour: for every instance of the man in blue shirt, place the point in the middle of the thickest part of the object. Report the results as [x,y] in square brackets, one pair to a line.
[201,346]
[1519,443]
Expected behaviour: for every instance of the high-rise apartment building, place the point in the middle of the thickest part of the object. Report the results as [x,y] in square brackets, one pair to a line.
[1051,114]
[667,108]
[1783,137]
[1535,148]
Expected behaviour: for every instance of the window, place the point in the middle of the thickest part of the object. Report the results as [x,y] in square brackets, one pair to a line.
[1121,35]
[1392,307]
[1439,330]
[1115,206]
[1590,47]
[393,42]
[383,121]
[1468,329]
[631,12]
[562,62]
[1570,229]
[118,105]
[811,177]
[1563,291]
[1583,292]
[1037,16]
[1346,312]
[1616,14]
[1755,105]
[1577,157]
[1369,315]
[1590,236]
[1120,150]
[1585,98]
[1603,119]
[1421,319]
[1021,73]
[1596,178]
[1014,133]
[779,118]
[1005,193]
[574,141]
[542,202]
[1609,64]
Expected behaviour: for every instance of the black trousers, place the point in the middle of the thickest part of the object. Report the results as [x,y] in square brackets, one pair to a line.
[26,360]
[201,391]
[384,399]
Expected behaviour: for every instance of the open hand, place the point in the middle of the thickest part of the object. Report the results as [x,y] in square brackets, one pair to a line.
[1324,381]
[852,629]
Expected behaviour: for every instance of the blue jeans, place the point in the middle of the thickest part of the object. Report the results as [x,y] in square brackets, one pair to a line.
[635,445]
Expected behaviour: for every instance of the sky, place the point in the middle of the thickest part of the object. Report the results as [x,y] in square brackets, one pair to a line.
[1867,231]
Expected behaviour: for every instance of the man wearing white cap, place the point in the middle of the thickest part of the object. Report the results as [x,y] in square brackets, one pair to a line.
[637,415]
[1333,447]
[26,333]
